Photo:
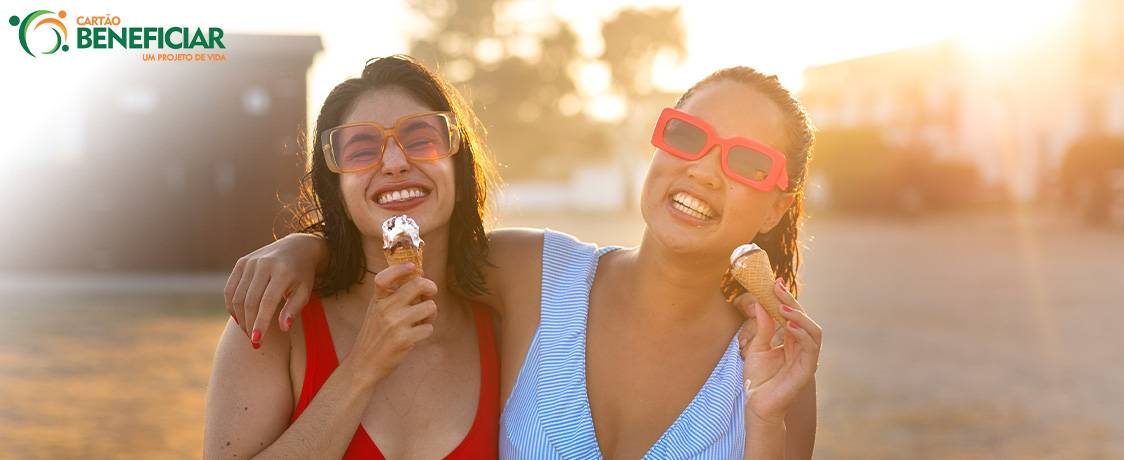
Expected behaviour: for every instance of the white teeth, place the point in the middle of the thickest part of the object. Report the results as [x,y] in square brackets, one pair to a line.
[688,211]
[401,195]
[693,206]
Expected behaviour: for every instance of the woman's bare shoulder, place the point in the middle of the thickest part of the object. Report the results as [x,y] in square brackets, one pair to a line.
[516,265]
[515,241]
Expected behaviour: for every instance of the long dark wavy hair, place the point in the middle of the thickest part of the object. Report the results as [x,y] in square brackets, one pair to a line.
[780,243]
[320,207]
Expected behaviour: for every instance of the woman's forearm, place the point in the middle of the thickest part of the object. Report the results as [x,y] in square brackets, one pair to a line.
[800,424]
[763,440]
[328,424]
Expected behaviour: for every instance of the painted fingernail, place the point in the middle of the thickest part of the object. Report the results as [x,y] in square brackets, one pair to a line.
[288,321]
[255,338]
[786,308]
[793,325]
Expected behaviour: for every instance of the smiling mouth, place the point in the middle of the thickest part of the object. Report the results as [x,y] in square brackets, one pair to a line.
[692,206]
[398,196]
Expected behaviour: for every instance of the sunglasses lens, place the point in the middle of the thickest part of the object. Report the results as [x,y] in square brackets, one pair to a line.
[357,147]
[749,163]
[684,139]
[425,137]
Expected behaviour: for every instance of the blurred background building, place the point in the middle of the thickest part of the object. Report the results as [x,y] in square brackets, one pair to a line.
[167,167]
[993,121]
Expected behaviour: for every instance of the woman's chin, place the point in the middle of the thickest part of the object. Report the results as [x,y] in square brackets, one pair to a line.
[678,238]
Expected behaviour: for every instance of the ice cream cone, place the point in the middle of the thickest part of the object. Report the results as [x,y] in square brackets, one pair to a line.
[402,242]
[402,255]
[750,267]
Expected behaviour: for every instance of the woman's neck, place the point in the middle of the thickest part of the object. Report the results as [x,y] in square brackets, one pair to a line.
[672,285]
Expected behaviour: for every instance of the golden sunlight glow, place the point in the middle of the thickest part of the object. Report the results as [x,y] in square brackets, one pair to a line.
[1003,27]
[780,38]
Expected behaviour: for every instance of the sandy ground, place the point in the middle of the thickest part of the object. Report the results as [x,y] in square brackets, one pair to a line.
[975,338]
[990,336]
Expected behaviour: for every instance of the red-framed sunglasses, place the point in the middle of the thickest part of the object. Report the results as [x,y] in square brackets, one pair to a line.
[744,160]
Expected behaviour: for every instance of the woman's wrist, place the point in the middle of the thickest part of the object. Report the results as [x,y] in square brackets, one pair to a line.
[360,371]
[319,249]
[764,436]
[322,254]
[764,439]
[757,418]
[763,425]
[763,421]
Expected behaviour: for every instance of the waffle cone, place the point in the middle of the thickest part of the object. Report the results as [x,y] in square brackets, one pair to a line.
[402,254]
[754,273]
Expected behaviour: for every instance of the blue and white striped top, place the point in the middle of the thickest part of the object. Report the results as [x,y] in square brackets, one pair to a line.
[548,416]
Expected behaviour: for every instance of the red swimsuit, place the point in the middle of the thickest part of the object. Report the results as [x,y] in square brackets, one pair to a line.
[482,439]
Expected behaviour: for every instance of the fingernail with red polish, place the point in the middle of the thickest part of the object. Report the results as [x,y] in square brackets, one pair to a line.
[288,322]
[255,338]
[792,325]
[786,308]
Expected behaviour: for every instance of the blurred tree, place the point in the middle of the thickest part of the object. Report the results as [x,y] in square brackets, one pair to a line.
[634,38]
[519,75]
[519,82]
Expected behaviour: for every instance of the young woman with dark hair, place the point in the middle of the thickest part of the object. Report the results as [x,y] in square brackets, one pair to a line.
[378,365]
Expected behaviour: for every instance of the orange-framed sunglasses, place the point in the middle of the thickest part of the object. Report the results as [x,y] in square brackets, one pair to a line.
[360,146]
[744,160]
